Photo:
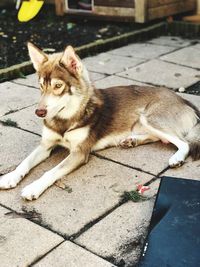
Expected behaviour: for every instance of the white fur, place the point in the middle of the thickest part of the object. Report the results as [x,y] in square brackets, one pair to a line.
[111,140]
[41,81]
[72,106]
[68,104]
[11,179]
[70,140]
[76,137]
[183,148]
[34,190]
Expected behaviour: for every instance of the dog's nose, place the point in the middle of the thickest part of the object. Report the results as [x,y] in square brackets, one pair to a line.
[41,112]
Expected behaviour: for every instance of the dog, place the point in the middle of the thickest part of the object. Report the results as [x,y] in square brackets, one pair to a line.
[84,119]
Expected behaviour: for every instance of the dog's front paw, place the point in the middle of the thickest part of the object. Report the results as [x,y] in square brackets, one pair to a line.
[9,180]
[33,191]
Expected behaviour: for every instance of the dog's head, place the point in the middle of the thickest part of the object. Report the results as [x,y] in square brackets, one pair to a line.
[63,82]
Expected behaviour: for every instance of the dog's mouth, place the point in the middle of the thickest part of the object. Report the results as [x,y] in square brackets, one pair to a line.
[61,109]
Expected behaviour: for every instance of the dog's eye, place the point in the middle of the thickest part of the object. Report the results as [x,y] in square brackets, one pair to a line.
[58,85]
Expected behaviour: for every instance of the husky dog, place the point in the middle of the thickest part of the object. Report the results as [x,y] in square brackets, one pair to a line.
[84,119]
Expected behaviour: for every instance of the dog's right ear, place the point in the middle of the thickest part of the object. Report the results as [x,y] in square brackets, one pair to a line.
[37,56]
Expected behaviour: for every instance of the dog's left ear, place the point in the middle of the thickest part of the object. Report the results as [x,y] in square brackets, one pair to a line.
[72,61]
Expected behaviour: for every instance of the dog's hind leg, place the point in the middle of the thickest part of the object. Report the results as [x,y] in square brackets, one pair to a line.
[11,179]
[183,147]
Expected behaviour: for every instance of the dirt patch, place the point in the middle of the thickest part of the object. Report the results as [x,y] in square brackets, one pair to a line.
[51,32]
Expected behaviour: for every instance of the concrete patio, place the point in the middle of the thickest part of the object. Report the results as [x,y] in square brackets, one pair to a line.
[82,220]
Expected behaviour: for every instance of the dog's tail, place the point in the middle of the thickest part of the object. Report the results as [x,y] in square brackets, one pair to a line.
[193,136]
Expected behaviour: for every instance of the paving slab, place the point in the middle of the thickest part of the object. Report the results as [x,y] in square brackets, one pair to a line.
[85,194]
[142,50]
[29,80]
[194,99]
[190,170]
[151,158]
[71,255]
[153,189]
[95,76]
[26,119]
[15,145]
[14,97]
[120,235]
[162,73]
[188,56]
[109,64]
[115,81]
[22,241]
[173,41]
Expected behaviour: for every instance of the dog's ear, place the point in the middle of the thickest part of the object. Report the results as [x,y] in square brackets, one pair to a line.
[37,56]
[72,61]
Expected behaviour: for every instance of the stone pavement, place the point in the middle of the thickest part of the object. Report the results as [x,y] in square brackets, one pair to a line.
[83,220]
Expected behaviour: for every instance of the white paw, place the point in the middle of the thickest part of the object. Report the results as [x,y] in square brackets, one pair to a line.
[176,160]
[33,191]
[9,180]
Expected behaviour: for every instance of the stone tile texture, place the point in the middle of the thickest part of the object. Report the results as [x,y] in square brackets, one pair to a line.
[109,64]
[173,41]
[114,81]
[29,80]
[142,50]
[15,145]
[26,119]
[14,97]
[71,255]
[158,72]
[188,56]
[22,241]
[85,194]
[121,234]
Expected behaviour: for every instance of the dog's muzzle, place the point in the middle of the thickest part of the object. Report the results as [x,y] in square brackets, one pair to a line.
[41,112]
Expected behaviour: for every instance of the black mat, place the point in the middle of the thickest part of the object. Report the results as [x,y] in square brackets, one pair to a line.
[174,234]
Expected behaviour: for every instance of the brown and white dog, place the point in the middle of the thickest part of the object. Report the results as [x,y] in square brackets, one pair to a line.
[84,119]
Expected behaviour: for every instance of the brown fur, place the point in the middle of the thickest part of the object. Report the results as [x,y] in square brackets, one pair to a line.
[115,110]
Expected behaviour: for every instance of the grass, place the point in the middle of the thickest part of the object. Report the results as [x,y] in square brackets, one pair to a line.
[9,122]
[11,111]
[134,196]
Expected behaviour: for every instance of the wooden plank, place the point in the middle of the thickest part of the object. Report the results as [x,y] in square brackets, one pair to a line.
[92,16]
[157,3]
[115,3]
[198,6]
[168,10]
[60,7]
[141,10]
[114,11]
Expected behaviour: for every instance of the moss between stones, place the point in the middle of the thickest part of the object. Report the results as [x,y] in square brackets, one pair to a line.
[9,122]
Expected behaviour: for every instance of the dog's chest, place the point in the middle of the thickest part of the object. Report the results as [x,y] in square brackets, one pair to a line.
[71,139]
